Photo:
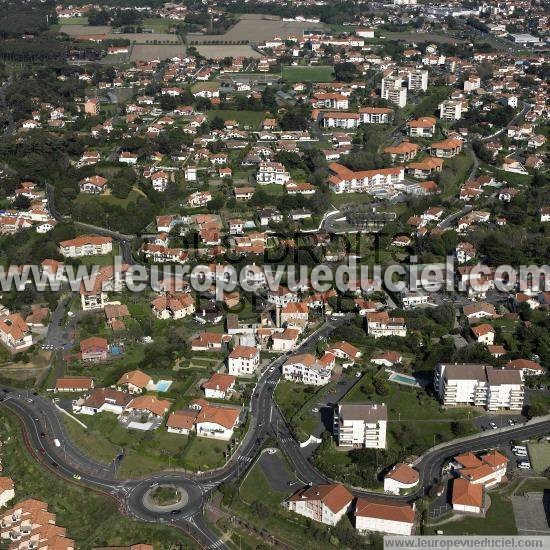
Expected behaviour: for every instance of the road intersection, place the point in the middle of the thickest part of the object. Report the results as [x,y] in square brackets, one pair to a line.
[43,425]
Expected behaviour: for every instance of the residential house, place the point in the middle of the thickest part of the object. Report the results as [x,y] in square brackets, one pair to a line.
[307,369]
[243,361]
[219,386]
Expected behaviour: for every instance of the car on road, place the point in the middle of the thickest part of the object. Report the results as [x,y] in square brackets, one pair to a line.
[175,512]
[154,484]
[76,476]
[511,422]
[272,369]
[358,374]
[493,425]
[315,410]
[524,465]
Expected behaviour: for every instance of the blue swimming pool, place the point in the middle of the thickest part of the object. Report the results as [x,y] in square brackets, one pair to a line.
[404,379]
[163,385]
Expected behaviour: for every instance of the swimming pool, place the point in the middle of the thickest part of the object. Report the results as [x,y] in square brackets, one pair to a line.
[404,379]
[163,385]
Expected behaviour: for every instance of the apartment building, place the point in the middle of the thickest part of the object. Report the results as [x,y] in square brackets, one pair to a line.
[307,369]
[393,90]
[375,115]
[487,470]
[347,121]
[174,306]
[394,518]
[272,172]
[323,503]
[421,127]
[15,334]
[450,110]
[243,361]
[322,100]
[418,80]
[361,425]
[86,245]
[344,180]
[479,385]
[380,324]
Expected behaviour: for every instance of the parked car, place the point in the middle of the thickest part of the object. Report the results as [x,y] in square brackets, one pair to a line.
[524,465]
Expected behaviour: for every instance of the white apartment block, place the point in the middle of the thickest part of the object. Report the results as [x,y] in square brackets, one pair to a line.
[479,385]
[344,180]
[87,245]
[394,518]
[272,172]
[418,80]
[243,361]
[323,503]
[307,369]
[375,115]
[393,90]
[450,110]
[347,121]
[361,425]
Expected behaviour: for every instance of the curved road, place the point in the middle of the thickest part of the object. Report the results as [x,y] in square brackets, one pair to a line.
[42,425]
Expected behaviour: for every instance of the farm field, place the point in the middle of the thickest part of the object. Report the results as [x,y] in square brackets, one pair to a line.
[149,38]
[322,73]
[244,118]
[79,30]
[257,28]
[220,51]
[421,37]
[147,52]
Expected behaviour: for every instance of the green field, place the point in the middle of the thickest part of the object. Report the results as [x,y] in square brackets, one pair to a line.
[252,119]
[110,199]
[64,498]
[539,453]
[159,24]
[321,73]
[74,21]
[145,452]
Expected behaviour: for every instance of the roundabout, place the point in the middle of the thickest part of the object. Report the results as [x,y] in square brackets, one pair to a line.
[165,498]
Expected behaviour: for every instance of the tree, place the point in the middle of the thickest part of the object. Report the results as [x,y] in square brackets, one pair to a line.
[217,123]
[381,387]
[345,72]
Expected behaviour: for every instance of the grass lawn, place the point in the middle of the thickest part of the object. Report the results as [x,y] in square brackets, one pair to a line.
[533,486]
[321,73]
[415,409]
[145,452]
[349,198]
[102,259]
[74,21]
[158,24]
[267,513]
[539,453]
[256,487]
[252,119]
[499,520]
[64,498]
[110,199]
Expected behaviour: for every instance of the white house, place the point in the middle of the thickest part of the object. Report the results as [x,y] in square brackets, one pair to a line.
[466,496]
[243,361]
[219,386]
[401,477]
[272,172]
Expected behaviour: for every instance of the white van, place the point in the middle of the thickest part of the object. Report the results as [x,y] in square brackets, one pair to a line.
[524,465]
[57,442]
